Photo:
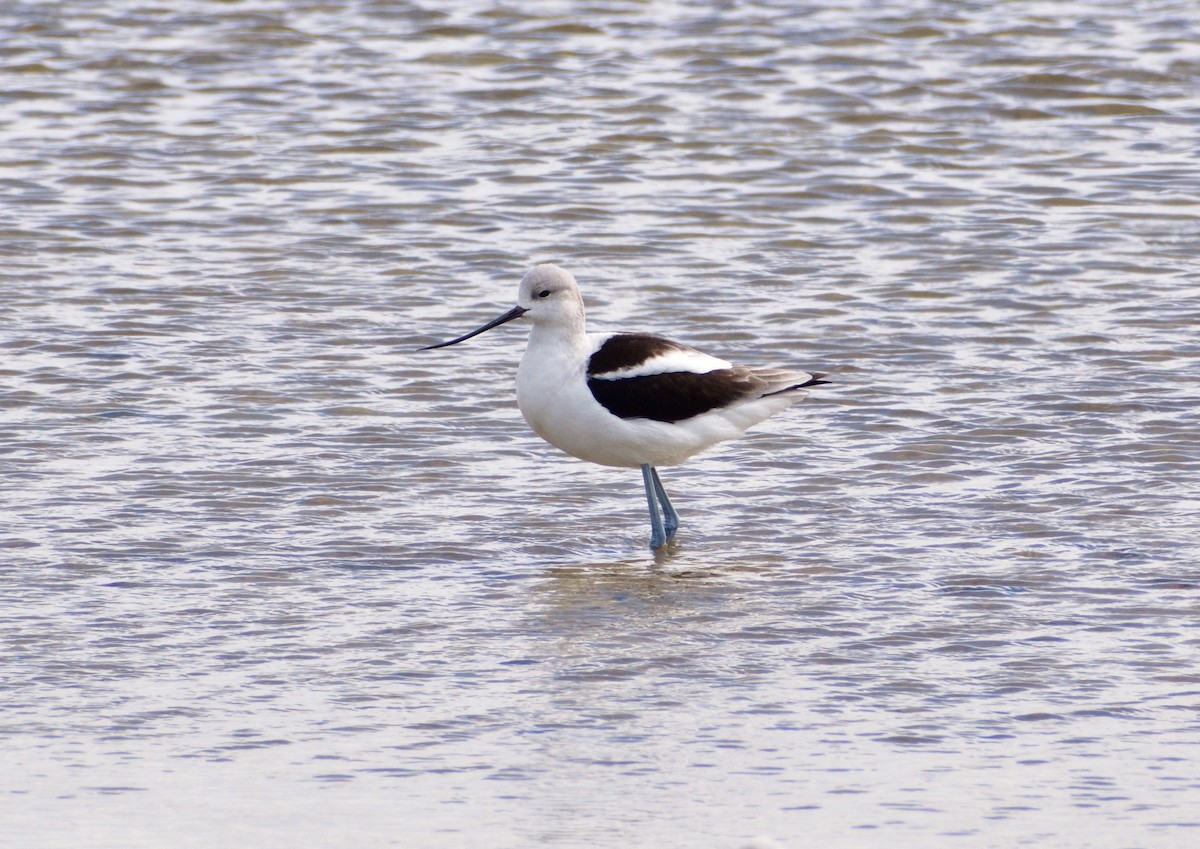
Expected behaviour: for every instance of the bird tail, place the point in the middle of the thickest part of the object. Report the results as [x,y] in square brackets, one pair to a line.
[794,379]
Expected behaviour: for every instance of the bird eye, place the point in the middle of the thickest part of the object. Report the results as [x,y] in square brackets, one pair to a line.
[545,293]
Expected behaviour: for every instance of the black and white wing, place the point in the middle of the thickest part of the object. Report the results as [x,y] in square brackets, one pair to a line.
[639,376]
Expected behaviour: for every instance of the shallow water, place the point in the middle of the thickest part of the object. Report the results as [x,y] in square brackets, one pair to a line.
[273,576]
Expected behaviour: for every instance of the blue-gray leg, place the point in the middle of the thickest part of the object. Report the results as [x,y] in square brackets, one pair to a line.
[670,517]
[658,537]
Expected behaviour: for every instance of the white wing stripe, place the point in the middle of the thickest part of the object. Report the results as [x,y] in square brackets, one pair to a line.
[669,361]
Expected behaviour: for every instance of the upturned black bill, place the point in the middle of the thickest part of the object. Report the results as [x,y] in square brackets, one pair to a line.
[515,312]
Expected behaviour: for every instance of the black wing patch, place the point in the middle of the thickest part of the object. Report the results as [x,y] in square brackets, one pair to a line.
[673,396]
[627,350]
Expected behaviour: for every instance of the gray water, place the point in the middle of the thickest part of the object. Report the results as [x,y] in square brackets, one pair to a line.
[273,578]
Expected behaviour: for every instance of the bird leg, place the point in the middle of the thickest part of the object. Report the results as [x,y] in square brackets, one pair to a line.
[670,517]
[658,537]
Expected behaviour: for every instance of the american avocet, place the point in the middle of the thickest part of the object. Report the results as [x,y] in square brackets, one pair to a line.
[631,399]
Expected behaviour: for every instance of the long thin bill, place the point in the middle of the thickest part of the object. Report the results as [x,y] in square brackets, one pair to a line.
[515,312]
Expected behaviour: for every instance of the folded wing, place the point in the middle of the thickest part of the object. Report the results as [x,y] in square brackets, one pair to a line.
[636,375]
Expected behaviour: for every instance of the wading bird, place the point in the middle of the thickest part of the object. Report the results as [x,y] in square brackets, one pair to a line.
[631,399]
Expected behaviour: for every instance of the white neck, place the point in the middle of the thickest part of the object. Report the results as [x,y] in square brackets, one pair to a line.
[569,335]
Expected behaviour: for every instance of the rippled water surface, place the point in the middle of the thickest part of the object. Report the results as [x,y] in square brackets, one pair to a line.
[273,578]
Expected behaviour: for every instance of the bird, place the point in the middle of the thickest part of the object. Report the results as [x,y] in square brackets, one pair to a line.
[631,400]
